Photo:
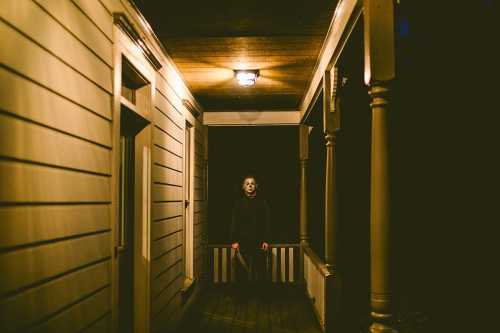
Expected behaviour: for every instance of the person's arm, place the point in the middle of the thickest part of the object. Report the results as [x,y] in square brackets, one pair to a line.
[267,226]
[235,232]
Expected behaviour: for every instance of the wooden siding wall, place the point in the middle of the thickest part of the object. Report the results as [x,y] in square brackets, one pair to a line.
[55,166]
[200,230]
[56,72]
[167,268]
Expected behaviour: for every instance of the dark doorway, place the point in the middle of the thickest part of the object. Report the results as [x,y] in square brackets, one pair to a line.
[126,226]
[131,124]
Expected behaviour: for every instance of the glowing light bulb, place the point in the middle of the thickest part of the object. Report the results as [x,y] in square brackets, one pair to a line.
[246,77]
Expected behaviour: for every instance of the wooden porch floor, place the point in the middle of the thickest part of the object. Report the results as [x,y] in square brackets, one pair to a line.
[276,309]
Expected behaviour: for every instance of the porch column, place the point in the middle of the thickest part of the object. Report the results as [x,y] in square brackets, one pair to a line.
[304,157]
[330,128]
[206,259]
[379,71]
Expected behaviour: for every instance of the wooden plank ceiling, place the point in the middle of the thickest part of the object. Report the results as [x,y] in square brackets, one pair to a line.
[209,39]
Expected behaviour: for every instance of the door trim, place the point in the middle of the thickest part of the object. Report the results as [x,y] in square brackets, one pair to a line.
[124,47]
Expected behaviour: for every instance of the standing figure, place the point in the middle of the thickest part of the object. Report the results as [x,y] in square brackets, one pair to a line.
[250,232]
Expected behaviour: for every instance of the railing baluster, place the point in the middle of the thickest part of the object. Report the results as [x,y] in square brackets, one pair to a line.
[224,265]
[281,263]
[216,265]
[274,263]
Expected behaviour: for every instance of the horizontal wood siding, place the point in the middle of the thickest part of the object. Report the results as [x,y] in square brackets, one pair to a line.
[93,310]
[61,78]
[200,227]
[32,306]
[27,224]
[57,40]
[167,267]
[103,324]
[23,182]
[68,14]
[167,191]
[167,248]
[56,86]
[61,150]
[55,166]
[51,110]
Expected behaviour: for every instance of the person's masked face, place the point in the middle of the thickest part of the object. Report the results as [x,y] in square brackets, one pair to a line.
[249,186]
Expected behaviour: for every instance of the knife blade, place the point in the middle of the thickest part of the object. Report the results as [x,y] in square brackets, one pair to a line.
[242,261]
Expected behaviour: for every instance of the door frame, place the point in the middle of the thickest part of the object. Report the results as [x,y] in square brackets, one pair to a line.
[188,190]
[125,47]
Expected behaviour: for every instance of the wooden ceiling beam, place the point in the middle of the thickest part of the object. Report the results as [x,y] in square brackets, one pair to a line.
[251,118]
[344,19]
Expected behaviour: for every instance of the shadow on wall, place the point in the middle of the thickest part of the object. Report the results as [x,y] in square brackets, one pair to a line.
[268,152]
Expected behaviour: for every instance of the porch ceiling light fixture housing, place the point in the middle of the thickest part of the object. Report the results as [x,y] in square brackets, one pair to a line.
[246,77]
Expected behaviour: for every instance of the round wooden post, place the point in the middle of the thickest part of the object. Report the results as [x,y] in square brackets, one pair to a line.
[304,156]
[303,228]
[206,258]
[380,224]
[379,71]
[330,203]
[330,127]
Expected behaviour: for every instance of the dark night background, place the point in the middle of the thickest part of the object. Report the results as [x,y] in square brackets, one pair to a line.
[445,138]
[443,142]
[269,153]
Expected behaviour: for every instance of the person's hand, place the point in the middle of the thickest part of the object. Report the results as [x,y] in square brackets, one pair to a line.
[235,245]
[264,246]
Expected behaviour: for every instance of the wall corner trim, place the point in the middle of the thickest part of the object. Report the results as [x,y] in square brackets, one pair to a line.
[187,103]
[121,20]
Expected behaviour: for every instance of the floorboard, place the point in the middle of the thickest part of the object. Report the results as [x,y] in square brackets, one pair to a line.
[230,309]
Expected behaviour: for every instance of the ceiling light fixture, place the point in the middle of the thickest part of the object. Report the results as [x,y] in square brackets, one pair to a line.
[246,77]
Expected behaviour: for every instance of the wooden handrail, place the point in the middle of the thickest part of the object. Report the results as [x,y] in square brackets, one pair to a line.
[270,245]
[320,264]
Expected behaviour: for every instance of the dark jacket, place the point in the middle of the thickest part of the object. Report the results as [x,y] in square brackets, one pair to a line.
[250,223]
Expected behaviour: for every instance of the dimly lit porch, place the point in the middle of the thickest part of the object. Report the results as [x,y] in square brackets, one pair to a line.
[124,134]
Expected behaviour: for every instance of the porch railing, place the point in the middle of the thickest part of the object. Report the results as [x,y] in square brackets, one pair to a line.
[320,286]
[282,264]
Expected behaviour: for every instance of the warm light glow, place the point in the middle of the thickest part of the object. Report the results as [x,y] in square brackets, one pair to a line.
[246,77]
